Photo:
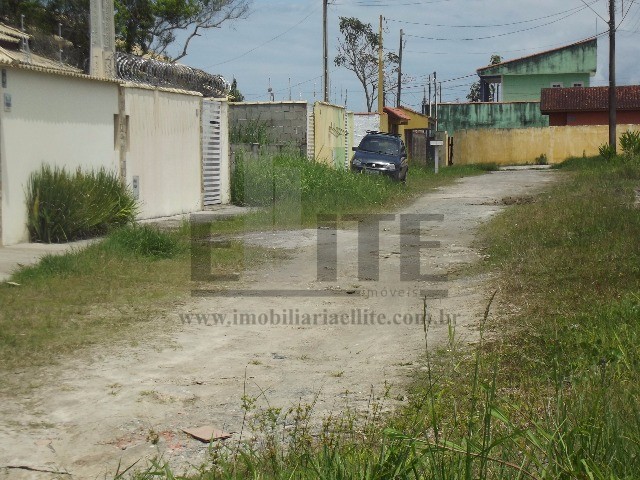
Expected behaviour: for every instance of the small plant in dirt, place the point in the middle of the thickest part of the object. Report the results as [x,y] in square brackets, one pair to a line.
[64,206]
[542,159]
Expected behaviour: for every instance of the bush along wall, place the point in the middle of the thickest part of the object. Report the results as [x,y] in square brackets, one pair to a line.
[65,206]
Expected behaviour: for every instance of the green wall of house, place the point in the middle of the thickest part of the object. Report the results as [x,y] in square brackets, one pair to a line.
[526,88]
[464,116]
[581,57]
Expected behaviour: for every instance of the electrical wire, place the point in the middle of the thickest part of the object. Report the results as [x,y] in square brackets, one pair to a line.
[624,15]
[572,10]
[496,35]
[265,43]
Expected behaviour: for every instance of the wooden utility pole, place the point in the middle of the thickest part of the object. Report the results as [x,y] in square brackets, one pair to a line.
[325,50]
[400,69]
[380,73]
[613,139]
[430,96]
[435,92]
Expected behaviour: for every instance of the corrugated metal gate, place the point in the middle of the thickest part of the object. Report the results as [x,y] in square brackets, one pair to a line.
[311,133]
[212,143]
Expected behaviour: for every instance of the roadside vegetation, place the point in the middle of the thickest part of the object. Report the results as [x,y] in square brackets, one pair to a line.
[138,273]
[64,206]
[297,190]
[551,390]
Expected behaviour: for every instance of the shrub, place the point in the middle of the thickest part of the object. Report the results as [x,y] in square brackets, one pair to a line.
[630,143]
[608,152]
[64,206]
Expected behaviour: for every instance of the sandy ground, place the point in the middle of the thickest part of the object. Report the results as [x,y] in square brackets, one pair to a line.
[91,413]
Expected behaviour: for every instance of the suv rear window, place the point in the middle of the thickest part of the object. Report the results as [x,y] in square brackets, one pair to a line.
[380,144]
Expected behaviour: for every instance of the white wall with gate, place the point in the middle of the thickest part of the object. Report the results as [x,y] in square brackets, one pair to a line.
[163,150]
[154,136]
[216,168]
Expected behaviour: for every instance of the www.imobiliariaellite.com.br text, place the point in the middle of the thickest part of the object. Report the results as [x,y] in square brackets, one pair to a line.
[296,317]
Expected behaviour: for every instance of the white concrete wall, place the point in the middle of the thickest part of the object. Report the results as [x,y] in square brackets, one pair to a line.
[59,120]
[163,150]
[362,123]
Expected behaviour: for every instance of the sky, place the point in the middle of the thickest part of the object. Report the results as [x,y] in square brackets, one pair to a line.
[280,43]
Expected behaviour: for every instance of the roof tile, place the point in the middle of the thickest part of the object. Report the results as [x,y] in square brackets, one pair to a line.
[591,99]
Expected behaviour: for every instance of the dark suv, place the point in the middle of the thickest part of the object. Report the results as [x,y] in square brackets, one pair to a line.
[383,154]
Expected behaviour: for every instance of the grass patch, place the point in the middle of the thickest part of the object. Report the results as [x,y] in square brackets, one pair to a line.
[67,302]
[552,395]
[145,241]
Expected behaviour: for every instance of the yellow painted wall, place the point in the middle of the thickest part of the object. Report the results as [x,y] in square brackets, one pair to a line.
[332,135]
[522,146]
[417,122]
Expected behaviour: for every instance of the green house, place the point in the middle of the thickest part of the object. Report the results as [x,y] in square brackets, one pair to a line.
[522,79]
[519,83]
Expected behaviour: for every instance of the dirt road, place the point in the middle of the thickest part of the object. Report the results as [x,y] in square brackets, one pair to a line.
[121,405]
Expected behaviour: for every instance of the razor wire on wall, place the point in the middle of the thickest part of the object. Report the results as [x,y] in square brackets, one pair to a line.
[170,75]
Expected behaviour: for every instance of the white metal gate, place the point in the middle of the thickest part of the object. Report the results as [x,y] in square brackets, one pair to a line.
[212,154]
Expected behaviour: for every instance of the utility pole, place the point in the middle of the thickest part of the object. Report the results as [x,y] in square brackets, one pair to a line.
[325,48]
[430,97]
[380,73]
[613,139]
[400,69]
[424,101]
[435,91]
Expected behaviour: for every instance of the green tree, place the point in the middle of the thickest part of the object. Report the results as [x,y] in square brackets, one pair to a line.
[358,52]
[475,92]
[151,25]
[41,22]
[141,25]
[235,95]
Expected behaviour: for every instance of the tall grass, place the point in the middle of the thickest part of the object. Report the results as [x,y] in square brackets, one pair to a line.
[296,188]
[64,206]
[252,131]
[290,178]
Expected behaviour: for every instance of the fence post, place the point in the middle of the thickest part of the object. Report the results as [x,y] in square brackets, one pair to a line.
[255,149]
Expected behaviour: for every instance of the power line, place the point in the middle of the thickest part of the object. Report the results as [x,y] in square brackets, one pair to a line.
[372,3]
[624,15]
[532,49]
[601,17]
[572,10]
[496,35]
[263,44]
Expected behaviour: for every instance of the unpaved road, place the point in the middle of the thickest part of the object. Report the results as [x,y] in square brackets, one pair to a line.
[91,413]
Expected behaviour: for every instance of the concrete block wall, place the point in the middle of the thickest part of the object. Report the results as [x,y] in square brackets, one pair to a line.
[286,121]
